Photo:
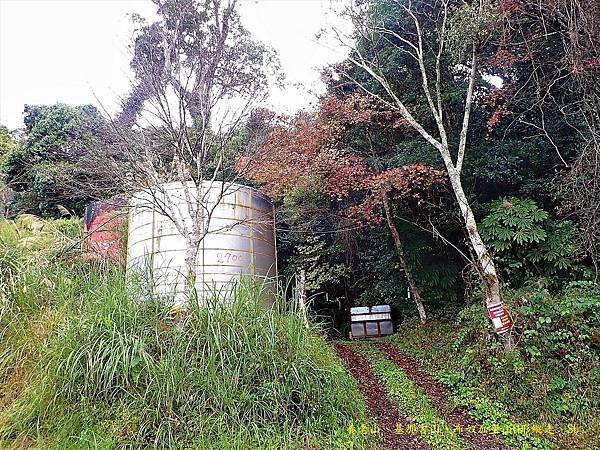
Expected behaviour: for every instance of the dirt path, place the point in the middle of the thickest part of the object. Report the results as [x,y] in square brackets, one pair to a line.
[379,405]
[438,396]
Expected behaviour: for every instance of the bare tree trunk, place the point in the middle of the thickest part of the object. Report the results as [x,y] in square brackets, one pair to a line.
[400,252]
[191,255]
[485,262]
[302,296]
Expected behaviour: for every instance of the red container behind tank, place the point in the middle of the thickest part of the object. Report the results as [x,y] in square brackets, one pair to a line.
[101,224]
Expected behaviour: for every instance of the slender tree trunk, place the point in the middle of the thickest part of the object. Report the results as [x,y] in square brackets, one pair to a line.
[302,296]
[485,262]
[403,266]
[181,301]
[191,257]
[191,254]
[190,263]
[194,238]
[486,266]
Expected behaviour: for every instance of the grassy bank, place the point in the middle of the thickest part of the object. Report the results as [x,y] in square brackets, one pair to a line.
[549,383]
[83,364]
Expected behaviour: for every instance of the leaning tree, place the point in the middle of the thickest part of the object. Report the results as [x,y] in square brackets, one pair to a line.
[421,59]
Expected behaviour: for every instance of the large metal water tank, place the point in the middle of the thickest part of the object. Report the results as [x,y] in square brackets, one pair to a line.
[240,238]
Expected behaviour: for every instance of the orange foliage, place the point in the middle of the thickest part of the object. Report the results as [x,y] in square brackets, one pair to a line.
[304,152]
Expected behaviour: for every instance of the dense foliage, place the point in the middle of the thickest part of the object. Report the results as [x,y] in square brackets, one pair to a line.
[42,167]
[367,211]
[550,379]
[332,169]
[523,144]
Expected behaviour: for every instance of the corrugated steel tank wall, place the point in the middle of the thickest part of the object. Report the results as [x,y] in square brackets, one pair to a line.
[240,238]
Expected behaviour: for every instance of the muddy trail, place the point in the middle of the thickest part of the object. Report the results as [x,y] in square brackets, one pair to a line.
[438,396]
[386,412]
[379,405]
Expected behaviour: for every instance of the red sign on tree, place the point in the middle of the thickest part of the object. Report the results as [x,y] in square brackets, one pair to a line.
[500,317]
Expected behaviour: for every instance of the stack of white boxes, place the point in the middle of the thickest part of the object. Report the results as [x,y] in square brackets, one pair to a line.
[370,321]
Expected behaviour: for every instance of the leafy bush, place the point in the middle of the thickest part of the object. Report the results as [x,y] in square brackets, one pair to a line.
[551,377]
[513,221]
[314,255]
[527,241]
[42,166]
[564,328]
[556,356]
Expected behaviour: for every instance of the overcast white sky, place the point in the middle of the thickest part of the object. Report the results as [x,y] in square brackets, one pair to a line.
[72,51]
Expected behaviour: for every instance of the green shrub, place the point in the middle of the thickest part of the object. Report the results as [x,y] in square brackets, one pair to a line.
[528,241]
[551,377]
[556,356]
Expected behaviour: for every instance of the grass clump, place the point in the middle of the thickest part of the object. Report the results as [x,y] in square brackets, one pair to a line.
[112,371]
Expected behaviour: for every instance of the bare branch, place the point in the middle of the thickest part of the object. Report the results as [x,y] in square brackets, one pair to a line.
[467,113]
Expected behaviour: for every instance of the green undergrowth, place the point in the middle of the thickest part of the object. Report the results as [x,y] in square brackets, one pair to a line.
[85,364]
[430,349]
[412,402]
[547,386]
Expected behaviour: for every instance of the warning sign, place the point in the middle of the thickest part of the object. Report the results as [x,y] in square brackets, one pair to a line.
[500,317]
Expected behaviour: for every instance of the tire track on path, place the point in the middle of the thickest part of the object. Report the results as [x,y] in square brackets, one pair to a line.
[438,395]
[379,405]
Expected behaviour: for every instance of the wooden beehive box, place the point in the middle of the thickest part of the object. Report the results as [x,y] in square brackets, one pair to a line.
[370,321]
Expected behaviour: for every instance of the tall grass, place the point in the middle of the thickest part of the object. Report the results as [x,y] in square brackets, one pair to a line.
[29,285]
[111,370]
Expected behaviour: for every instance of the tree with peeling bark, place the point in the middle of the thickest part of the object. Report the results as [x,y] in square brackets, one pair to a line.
[436,45]
[198,75]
